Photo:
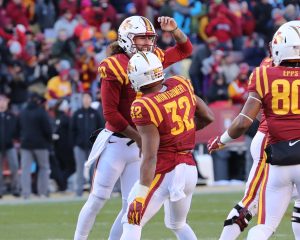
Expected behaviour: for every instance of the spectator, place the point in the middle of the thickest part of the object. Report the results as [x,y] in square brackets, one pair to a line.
[262,13]
[60,86]
[18,85]
[64,47]
[203,52]
[17,12]
[67,22]
[248,20]
[8,133]
[221,27]
[85,121]
[254,50]
[35,142]
[62,142]
[218,89]
[237,90]
[45,14]
[183,14]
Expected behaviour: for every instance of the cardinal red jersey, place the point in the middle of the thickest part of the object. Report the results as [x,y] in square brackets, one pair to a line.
[263,126]
[278,88]
[172,112]
[116,91]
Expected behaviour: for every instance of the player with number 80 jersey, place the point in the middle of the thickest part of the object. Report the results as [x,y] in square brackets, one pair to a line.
[278,87]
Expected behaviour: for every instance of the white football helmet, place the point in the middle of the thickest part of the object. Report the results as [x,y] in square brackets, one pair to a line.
[285,44]
[144,68]
[131,27]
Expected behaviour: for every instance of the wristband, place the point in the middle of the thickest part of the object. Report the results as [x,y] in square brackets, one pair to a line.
[141,190]
[225,138]
[172,31]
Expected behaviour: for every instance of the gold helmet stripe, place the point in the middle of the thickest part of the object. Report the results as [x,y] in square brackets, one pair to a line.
[148,25]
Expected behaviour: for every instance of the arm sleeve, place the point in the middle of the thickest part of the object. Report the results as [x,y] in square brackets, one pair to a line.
[176,53]
[110,93]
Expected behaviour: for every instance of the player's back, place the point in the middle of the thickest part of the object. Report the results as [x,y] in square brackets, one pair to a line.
[172,111]
[279,89]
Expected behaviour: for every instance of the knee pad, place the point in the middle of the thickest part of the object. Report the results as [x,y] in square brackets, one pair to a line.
[295,215]
[260,232]
[174,225]
[241,220]
[101,191]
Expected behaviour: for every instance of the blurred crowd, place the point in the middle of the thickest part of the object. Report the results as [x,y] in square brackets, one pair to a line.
[50,50]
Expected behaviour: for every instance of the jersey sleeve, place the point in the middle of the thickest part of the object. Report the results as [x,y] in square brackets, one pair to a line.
[143,112]
[175,54]
[109,71]
[254,82]
[259,82]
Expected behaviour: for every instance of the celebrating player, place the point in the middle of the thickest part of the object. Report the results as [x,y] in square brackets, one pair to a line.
[164,117]
[274,88]
[119,141]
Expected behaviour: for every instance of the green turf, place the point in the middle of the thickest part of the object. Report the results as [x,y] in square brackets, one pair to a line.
[57,220]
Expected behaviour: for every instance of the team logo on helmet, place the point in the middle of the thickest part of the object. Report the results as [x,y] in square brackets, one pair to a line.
[278,38]
[127,25]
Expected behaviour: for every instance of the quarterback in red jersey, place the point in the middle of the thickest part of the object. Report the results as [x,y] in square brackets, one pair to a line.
[119,142]
[164,117]
[276,90]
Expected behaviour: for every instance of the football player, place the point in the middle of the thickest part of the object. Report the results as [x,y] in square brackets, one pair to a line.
[119,141]
[239,217]
[164,117]
[276,90]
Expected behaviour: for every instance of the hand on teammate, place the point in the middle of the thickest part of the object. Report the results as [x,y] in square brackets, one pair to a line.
[214,144]
[135,211]
[167,24]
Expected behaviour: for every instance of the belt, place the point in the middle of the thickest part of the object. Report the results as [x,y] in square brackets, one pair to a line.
[119,135]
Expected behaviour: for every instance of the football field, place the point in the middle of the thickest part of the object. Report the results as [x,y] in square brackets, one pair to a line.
[56,219]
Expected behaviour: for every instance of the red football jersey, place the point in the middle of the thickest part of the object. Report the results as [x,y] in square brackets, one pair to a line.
[278,88]
[263,126]
[116,91]
[172,112]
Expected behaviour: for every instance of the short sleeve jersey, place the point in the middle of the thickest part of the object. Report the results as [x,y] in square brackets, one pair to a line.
[172,112]
[278,88]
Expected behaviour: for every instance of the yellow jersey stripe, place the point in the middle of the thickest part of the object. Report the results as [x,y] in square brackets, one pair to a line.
[157,53]
[258,86]
[121,69]
[261,207]
[191,86]
[162,54]
[256,178]
[250,78]
[158,112]
[154,182]
[152,117]
[265,78]
[110,65]
[185,82]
